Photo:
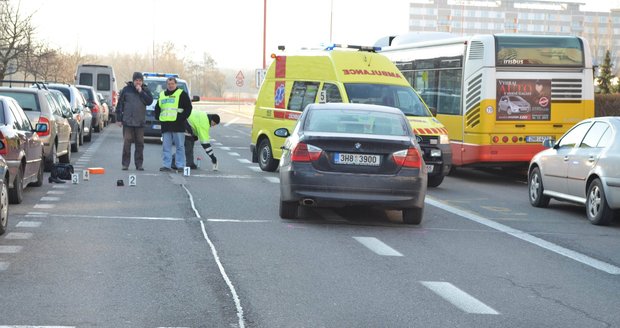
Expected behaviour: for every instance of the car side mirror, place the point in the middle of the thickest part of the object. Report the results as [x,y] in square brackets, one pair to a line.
[433,110]
[195,98]
[282,132]
[40,127]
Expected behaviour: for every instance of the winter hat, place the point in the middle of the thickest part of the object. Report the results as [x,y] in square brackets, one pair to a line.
[214,117]
[137,76]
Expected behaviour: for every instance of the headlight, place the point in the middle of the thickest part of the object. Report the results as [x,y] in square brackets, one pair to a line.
[435,152]
[443,139]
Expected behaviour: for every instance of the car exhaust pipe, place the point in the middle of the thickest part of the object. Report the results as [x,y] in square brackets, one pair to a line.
[308,201]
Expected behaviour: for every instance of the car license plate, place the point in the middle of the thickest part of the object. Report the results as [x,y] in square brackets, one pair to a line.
[357,159]
[536,139]
[430,168]
[156,127]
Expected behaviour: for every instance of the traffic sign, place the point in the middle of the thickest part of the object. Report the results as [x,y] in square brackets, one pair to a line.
[239,83]
[240,76]
[260,77]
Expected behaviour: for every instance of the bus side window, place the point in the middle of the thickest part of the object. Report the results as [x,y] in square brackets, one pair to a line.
[332,93]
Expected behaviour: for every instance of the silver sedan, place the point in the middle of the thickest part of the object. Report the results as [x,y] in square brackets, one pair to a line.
[582,167]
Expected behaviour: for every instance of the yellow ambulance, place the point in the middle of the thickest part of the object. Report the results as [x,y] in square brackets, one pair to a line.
[337,74]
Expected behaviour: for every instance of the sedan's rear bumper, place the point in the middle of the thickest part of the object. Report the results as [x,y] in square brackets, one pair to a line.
[407,189]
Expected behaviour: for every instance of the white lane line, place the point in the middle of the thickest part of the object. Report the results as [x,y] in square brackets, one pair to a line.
[56,192]
[117,217]
[254,168]
[60,186]
[225,148]
[224,176]
[273,179]
[237,221]
[4,266]
[18,235]
[232,289]
[377,246]
[231,121]
[10,249]
[589,261]
[28,224]
[458,298]
[50,199]
[36,213]
[232,153]
[37,326]
[244,161]
[45,206]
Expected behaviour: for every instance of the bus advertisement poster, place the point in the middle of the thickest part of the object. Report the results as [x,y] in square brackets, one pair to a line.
[523,100]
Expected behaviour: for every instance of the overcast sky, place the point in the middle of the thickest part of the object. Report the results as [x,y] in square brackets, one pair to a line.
[231,31]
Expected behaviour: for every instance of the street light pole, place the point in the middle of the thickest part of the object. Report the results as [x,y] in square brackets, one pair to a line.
[264,33]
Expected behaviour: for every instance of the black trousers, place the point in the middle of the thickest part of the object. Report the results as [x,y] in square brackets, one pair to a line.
[135,135]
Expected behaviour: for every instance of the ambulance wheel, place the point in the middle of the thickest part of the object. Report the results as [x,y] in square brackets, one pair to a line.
[265,156]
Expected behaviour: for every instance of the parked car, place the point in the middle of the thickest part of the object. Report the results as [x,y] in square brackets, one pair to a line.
[92,101]
[102,79]
[582,168]
[65,108]
[105,109]
[4,196]
[39,106]
[21,147]
[80,111]
[352,154]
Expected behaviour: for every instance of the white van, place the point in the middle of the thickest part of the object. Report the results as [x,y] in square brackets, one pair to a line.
[102,79]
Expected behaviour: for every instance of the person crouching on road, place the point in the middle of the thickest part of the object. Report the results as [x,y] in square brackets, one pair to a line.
[172,110]
[199,125]
[131,115]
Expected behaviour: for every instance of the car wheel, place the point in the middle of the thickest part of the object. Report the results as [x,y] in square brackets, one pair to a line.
[435,180]
[81,136]
[66,158]
[288,210]
[39,181]
[75,147]
[4,206]
[412,215]
[98,127]
[535,187]
[89,136]
[51,159]
[16,194]
[265,156]
[597,209]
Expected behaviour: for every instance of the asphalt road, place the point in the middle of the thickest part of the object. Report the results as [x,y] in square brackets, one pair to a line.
[209,250]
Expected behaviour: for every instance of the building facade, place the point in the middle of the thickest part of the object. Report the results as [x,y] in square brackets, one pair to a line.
[467,17]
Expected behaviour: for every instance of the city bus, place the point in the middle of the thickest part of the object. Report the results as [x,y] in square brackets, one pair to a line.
[500,95]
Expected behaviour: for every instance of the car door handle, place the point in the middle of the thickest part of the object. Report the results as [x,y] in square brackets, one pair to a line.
[591,159]
[565,158]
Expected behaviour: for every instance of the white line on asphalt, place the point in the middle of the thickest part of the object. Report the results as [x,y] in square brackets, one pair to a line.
[18,235]
[225,148]
[56,192]
[60,186]
[231,121]
[224,176]
[240,221]
[36,213]
[50,199]
[232,289]
[254,168]
[589,261]
[28,224]
[117,217]
[377,246]
[458,298]
[4,266]
[244,160]
[273,179]
[10,249]
[45,206]
[37,326]
[232,153]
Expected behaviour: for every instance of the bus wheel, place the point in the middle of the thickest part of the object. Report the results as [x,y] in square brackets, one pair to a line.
[265,156]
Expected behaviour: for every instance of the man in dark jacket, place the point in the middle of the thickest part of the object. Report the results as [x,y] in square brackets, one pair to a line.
[131,115]
[172,110]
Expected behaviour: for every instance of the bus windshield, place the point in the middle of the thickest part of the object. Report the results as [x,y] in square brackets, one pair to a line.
[513,50]
[403,98]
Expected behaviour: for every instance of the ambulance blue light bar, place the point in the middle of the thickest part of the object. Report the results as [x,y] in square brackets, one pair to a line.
[348,46]
[153,74]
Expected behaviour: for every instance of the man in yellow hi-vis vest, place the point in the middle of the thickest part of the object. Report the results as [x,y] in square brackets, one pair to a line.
[172,110]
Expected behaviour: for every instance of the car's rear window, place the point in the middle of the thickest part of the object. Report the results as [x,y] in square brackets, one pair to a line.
[103,82]
[88,95]
[356,121]
[86,79]
[27,101]
[65,92]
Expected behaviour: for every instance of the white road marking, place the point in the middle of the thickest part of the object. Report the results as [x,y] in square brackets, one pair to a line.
[56,192]
[60,186]
[18,235]
[48,206]
[37,326]
[377,246]
[273,179]
[4,266]
[254,168]
[232,153]
[117,217]
[589,261]
[225,148]
[224,176]
[238,221]
[50,199]
[28,224]
[458,298]
[10,249]
[231,121]
[244,161]
[232,289]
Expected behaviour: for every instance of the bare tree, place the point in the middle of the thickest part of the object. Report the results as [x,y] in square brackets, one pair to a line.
[16,34]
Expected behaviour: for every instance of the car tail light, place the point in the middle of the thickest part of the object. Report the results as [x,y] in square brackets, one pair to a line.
[4,149]
[408,158]
[44,120]
[95,108]
[114,95]
[305,153]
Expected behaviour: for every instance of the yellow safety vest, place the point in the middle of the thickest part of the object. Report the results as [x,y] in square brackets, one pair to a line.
[169,106]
